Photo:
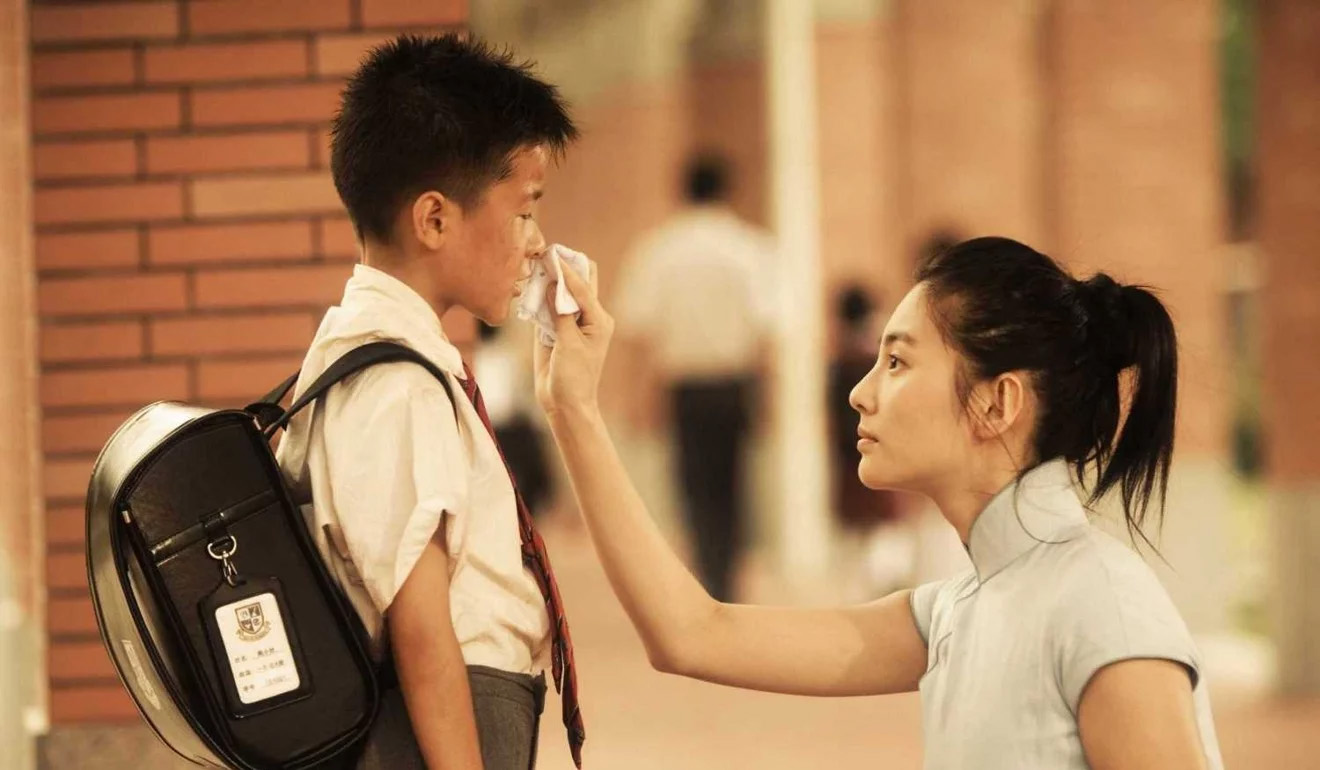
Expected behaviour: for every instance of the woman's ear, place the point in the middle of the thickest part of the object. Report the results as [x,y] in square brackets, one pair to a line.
[430,212]
[998,405]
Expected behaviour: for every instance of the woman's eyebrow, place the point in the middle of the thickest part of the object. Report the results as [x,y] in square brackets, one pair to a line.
[893,337]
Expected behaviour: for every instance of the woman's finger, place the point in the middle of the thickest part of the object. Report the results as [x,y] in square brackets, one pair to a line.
[584,294]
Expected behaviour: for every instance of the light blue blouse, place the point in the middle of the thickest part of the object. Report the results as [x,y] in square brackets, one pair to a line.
[1013,642]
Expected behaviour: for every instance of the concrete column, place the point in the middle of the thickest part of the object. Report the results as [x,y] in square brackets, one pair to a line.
[800,363]
[22,590]
[727,92]
[1137,191]
[1288,183]
[971,118]
[862,239]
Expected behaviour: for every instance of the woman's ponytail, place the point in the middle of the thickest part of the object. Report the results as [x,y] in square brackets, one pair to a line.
[1128,328]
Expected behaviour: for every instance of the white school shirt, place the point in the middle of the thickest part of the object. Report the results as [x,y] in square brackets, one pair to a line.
[1012,644]
[700,289]
[387,459]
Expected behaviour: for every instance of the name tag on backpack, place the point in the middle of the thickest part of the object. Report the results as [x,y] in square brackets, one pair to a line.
[257,647]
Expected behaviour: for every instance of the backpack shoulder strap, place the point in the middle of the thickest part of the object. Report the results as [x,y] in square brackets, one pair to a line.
[350,363]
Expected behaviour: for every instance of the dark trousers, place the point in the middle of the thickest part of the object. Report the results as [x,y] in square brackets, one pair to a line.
[508,712]
[711,424]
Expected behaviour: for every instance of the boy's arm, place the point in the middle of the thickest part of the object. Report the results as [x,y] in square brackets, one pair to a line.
[430,664]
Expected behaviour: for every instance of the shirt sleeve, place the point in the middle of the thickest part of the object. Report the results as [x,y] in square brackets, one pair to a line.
[923,606]
[638,299]
[1121,612]
[397,468]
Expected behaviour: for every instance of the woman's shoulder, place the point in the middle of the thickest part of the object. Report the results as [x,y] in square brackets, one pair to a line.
[1106,591]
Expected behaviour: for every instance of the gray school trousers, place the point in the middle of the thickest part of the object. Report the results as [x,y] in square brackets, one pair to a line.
[508,711]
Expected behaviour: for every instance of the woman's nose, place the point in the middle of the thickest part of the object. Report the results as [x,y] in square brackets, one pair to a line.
[862,396]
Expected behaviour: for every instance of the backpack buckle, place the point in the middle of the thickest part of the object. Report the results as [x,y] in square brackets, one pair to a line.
[221,550]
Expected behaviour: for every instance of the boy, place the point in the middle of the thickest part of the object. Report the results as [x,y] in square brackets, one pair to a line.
[439,154]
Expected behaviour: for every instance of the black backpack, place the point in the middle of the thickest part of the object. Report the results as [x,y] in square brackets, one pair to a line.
[221,619]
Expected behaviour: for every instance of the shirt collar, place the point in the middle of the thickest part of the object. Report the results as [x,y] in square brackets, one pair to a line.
[391,308]
[1040,508]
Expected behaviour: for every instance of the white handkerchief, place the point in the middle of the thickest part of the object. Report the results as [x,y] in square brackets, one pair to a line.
[533,307]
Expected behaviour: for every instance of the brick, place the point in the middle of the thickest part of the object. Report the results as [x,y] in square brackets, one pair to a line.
[70,616]
[71,160]
[101,341]
[125,385]
[388,13]
[264,195]
[219,62]
[338,238]
[223,335]
[97,705]
[220,17]
[272,287]
[243,381]
[104,21]
[192,244]
[80,432]
[83,68]
[265,105]
[111,294]
[66,524]
[80,660]
[68,251]
[110,112]
[341,54]
[233,152]
[322,147]
[66,479]
[109,203]
[66,571]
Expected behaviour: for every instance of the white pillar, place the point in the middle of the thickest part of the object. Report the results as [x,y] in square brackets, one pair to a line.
[22,536]
[799,379]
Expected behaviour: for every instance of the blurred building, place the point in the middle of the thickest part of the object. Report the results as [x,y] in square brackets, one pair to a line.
[169,230]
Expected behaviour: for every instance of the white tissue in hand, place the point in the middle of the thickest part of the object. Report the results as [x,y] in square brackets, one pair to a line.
[533,307]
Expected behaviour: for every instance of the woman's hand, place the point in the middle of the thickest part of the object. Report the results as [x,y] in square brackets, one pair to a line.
[568,374]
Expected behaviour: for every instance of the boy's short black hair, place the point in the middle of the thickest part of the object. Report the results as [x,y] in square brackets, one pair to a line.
[436,113]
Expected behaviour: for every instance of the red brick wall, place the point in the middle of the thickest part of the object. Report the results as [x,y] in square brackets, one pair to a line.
[188,236]
[1288,166]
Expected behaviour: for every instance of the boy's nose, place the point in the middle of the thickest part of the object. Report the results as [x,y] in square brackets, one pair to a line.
[537,246]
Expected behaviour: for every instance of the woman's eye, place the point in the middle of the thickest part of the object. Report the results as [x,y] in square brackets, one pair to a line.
[893,362]
[528,217]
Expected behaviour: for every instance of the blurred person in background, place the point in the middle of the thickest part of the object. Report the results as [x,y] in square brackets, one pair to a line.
[506,384]
[694,304]
[870,520]
[996,390]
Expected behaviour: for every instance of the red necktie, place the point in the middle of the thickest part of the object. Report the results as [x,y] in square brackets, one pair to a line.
[537,560]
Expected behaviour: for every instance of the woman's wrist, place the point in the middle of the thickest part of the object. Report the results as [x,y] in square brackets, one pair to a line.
[573,413]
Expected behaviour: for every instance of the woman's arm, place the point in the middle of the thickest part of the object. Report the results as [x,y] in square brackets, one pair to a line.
[1139,714]
[864,650]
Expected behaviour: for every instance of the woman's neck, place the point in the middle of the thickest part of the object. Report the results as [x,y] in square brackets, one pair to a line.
[963,497]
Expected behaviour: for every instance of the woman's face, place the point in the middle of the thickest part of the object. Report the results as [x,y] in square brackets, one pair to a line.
[911,429]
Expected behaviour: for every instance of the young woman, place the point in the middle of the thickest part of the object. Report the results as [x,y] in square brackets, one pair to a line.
[1000,379]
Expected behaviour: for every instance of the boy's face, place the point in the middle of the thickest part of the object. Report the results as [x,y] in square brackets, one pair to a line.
[492,242]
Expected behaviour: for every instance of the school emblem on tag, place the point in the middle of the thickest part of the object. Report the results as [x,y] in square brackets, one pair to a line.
[252,623]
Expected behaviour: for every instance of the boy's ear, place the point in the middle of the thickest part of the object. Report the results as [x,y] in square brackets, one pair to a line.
[430,214]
